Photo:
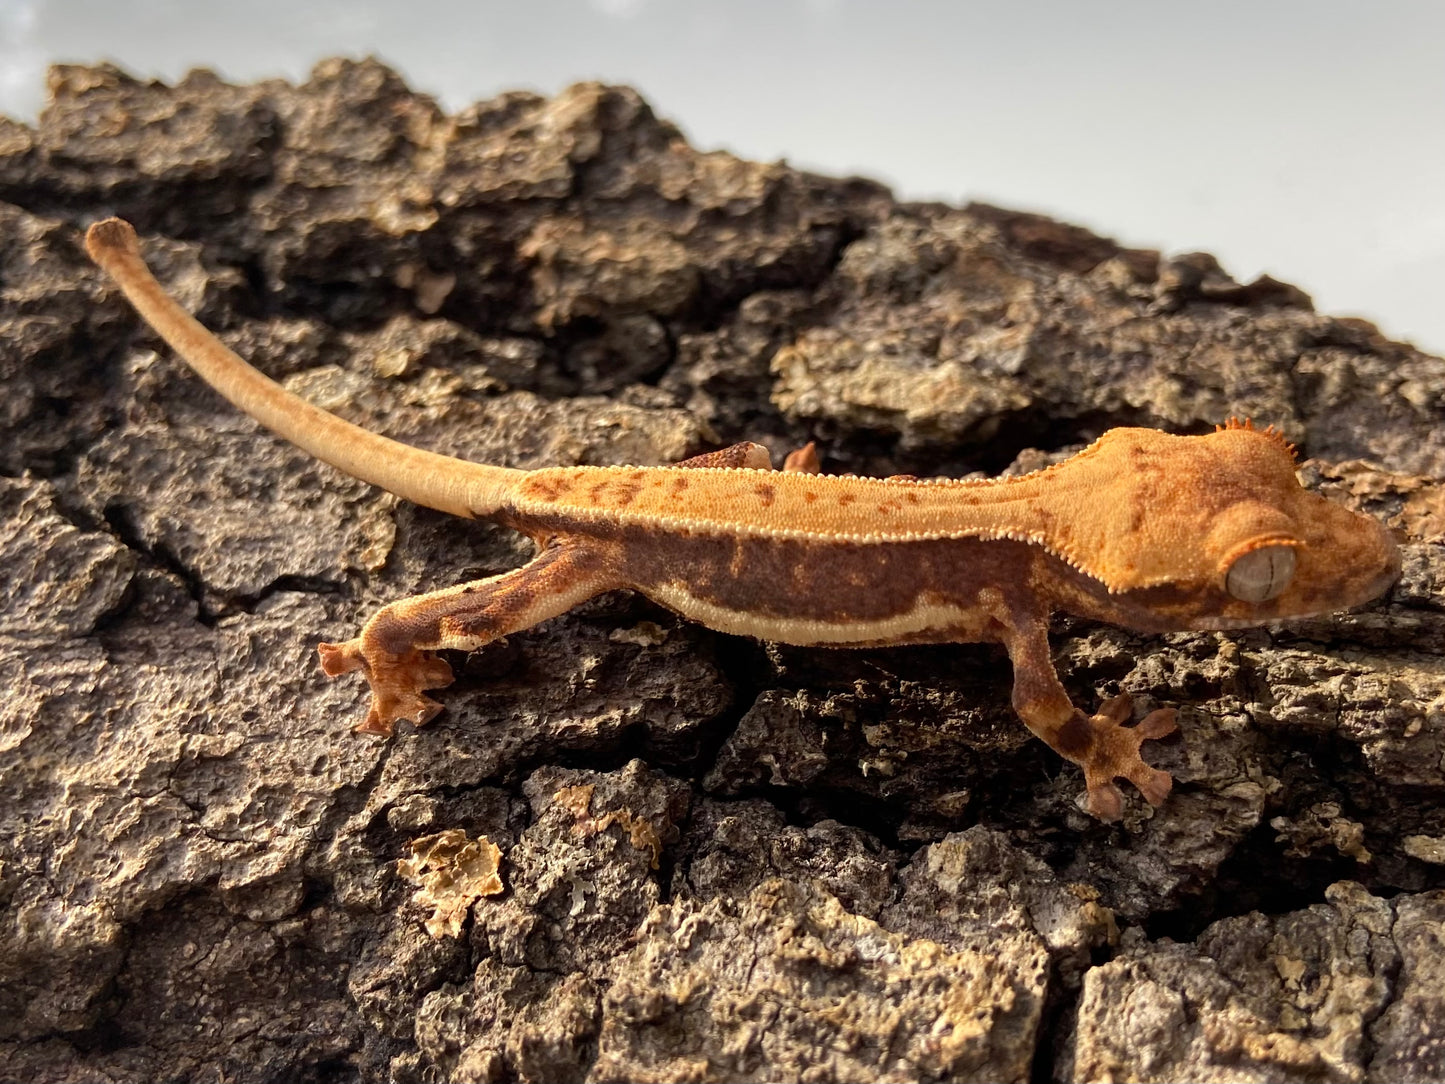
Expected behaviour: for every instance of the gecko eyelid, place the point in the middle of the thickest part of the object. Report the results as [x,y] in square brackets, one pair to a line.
[1261,574]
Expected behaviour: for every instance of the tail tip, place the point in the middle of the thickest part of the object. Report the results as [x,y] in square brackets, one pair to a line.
[109,237]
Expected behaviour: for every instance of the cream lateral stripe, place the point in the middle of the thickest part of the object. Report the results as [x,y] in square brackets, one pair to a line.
[437,481]
[923,617]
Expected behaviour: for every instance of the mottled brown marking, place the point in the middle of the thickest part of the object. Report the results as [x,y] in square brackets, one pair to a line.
[1074,738]
[810,496]
[810,579]
[846,498]
[480,609]
[733,456]
[766,494]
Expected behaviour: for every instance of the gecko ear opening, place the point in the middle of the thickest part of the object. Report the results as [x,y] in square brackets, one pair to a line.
[1261,574]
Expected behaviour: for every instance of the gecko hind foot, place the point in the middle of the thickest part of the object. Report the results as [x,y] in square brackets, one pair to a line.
[398,682]
[1114,754]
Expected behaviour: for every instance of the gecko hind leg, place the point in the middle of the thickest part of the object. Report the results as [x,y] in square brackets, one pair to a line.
[744,456]
[397,648]
[748,455]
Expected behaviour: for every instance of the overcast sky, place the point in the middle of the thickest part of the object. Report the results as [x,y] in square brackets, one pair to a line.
[1302,139]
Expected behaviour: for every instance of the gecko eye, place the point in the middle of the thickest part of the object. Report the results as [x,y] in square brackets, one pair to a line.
[1261,574]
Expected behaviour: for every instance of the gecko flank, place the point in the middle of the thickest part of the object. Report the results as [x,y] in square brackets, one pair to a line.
[1146,530]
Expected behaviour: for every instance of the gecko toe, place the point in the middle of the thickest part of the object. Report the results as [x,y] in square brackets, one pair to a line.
[398,682]
[388,709]
[1153,783]
[338,659]
[1105,801]
[804,460]
[431,672]
[1157,724]
[1117,709]
[416,708]
[374,723]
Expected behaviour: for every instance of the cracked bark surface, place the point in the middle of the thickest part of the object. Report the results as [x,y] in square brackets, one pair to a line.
[721,860]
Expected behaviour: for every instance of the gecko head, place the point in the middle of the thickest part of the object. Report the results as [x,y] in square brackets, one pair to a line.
[1311,557]
[1230,538]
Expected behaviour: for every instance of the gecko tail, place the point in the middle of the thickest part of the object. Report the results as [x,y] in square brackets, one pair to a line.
[437,481]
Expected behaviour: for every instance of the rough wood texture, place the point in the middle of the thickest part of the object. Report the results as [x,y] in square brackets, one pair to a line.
[720,860]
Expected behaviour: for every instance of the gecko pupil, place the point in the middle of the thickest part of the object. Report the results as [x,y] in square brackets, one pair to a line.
[1261,574]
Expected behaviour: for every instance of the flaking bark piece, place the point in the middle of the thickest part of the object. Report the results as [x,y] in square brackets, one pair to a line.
[453,872]
[578,800]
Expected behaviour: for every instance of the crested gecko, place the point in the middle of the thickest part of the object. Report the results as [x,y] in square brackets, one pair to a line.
[1143,529]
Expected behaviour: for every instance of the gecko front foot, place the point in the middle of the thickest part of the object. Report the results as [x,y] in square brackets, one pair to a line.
[1113,753]
[398,682]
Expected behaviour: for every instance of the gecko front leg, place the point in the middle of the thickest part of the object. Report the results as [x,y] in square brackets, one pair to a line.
[1100,744]
[397,647]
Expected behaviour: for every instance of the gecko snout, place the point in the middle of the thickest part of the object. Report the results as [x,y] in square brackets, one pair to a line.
[1352,559]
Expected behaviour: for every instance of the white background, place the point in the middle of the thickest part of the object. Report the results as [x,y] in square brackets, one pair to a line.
[1305,139]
